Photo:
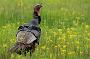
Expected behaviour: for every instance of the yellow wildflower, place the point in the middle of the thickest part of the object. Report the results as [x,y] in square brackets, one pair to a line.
[56,46]
[87,26]
[43,47]
[64,46]
[77,18]
[4,45]
[62,53]
[81,52]
[63,50]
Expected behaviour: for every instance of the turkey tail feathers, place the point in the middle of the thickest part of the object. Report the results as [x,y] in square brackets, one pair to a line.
[14,48]
[18,48]
[24,43]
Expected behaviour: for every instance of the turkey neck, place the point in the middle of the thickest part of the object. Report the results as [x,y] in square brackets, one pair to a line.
[37,16]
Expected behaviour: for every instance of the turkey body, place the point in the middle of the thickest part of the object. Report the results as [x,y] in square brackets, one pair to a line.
[27,36]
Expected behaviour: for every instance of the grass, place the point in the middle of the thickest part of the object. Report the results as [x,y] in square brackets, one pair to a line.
[65,28]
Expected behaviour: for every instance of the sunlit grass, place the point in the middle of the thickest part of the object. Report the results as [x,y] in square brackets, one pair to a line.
[65,28]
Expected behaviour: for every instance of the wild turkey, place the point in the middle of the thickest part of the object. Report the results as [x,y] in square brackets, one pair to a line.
[28,35]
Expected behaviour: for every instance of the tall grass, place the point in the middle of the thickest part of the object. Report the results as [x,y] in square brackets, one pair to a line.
[65,28]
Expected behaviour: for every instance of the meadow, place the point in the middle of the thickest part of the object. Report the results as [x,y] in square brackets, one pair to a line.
[65,28]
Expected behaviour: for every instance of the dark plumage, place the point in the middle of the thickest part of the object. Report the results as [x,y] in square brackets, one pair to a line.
[28,35]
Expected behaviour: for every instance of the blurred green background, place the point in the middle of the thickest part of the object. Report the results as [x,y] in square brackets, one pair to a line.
[65,28]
